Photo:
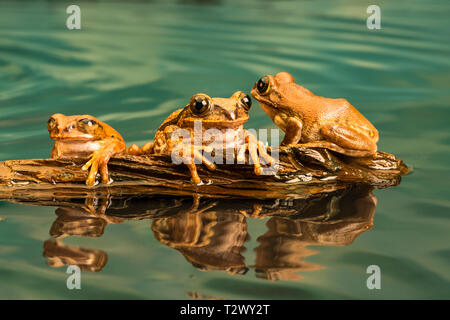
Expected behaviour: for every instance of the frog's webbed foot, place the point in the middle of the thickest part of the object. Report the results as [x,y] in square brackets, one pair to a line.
[98,162]
[189,160]
[255,147]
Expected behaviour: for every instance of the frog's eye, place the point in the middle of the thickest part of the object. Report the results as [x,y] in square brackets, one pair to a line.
[86,123]
[263,85]
[199,105]
[246,101]
[51,124]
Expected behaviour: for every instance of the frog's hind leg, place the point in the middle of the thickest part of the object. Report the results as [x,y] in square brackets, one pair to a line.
[148,148]
[134,150]
[354,140]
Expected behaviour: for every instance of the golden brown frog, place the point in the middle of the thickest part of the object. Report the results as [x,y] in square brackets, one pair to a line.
[313,121]
[224,115]
[84,136]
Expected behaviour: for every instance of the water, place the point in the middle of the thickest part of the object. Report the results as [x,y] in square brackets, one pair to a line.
[135,62]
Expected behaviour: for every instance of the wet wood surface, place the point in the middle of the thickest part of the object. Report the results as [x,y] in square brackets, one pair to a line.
[301,172]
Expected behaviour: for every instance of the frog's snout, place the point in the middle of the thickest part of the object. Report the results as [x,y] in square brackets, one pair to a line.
[230,114]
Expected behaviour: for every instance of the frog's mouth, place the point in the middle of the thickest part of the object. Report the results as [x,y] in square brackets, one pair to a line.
[215,123]
[68,139]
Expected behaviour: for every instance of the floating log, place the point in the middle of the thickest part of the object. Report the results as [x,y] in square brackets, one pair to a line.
[301,172]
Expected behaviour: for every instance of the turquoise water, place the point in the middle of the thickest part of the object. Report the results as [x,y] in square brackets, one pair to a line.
[133,63]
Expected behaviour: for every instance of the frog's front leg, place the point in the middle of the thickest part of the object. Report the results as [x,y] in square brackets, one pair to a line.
[99,161]
[254,147]
[293,131]
[263,153]
[188,154]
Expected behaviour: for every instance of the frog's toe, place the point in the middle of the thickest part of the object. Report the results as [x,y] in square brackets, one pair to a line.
[104,173]
[91,180]
[258,170]
[196,180]
[87,165]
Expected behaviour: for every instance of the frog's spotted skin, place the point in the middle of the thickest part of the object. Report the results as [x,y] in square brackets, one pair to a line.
[83,136]
[313,121]
[223,114]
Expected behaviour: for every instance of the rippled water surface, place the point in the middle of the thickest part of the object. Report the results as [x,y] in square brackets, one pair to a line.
[135,62]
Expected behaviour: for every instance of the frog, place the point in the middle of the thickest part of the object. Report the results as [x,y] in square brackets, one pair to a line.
[84,136]
[223,114]
[310,121]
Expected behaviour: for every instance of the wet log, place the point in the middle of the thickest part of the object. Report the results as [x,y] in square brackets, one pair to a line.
[301,172]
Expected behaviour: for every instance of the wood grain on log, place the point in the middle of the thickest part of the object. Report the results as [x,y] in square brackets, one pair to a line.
[301,172]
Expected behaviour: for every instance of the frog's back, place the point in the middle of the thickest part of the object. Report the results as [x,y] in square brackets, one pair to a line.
[171,119]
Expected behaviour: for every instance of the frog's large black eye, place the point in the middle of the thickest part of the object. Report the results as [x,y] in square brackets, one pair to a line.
[199,104]
[263,85]
[51,124]
[86,123]
[246,101]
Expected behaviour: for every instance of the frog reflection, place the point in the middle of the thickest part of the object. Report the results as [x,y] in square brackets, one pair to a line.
[334,220]
[79,222]
[89,217]
[211,233]
[213,237]
[59,254]
[208,239]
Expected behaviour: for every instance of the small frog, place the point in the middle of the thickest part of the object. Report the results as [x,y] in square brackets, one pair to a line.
[313,121]
[83,136]
[226,115]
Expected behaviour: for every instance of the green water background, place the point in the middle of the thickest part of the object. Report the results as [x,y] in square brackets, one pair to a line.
[135,62]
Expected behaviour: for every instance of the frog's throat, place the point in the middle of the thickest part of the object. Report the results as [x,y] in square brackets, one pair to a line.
[277,116]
